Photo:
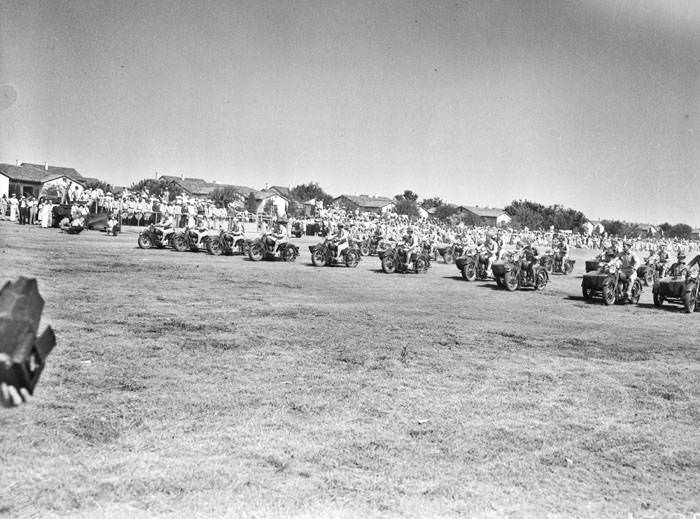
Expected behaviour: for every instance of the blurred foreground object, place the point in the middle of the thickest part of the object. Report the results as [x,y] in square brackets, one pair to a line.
[22,353]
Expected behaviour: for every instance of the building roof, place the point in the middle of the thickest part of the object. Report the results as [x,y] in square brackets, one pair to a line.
[491,212]
[38,173]
[373,202]
[284,191]
[646,227]
[198,186]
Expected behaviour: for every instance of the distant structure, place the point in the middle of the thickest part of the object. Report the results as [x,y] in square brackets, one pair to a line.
[270,200]
[26,179]
[492,217]
[364,203]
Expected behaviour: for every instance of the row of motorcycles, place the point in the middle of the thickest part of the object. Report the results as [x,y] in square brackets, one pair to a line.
[216,242]
[605,279]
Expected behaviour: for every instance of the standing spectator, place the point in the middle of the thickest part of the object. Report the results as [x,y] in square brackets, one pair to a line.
[14,206]
[23,211]
[4,204]
[33,205]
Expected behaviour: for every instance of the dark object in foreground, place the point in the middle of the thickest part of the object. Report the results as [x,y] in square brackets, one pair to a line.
[22,353]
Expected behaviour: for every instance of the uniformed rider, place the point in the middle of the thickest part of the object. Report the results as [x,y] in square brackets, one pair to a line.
[530,257]
[490,251]
[278,235]
[339,241]
[628,266]
[411,244]
[678,268]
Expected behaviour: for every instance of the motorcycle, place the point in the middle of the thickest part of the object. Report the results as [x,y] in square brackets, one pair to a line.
[473,265]
[192,239]
[394,260]
[562,267]
[361,245]
[609,283]
[681,289]
[450,252]
[155,236]
[264,248]
[227,242]
[323,254]
[515,276]
[649,270]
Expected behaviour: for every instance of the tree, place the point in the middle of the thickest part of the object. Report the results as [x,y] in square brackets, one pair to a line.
[435,201]
[406,207]
[156,187]
[251,204]
[95,183]
[226,196]
[444,211]
[680,230]
[532,215]
[305,192]
[407,195]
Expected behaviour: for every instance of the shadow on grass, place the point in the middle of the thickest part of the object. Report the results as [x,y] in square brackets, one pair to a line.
[581,299]
[493,286]
[666,307]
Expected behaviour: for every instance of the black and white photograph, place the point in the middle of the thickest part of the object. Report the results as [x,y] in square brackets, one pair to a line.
[346,259]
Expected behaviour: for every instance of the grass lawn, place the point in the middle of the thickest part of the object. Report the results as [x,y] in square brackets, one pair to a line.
[189,385]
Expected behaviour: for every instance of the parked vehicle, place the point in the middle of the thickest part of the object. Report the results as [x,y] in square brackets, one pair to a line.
[322,254]
[681,290]
[608,282]
[263,248]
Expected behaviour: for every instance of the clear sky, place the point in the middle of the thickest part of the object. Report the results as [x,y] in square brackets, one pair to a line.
[590,104]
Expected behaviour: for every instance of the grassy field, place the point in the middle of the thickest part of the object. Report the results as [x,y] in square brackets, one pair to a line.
[190,385]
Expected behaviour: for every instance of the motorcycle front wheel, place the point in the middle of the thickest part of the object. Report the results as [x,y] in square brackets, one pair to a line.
[609,295]
[511,281]
[144,241]
[689,299]
[388,265]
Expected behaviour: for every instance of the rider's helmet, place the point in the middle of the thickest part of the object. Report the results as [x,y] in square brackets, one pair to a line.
[409,229]
[681,257]
[626,244]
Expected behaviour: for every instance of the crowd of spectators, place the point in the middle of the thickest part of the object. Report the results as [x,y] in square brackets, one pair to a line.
[142,208]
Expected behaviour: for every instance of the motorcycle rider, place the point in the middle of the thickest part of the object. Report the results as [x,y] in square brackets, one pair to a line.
[628,266]
[410,244]
[491,252]
[561,251]
[679,267]
[662,259]
[278,236]
[339,241]
[530,257]
[237,227]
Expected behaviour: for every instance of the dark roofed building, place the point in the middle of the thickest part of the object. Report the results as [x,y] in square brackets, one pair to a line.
[493,217]
[364,203]
[281,190]
[32,179]
[202,188]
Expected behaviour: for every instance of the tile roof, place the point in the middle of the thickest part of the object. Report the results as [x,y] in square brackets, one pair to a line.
[198,186]
[37,173]
[492,212]
[375,202]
